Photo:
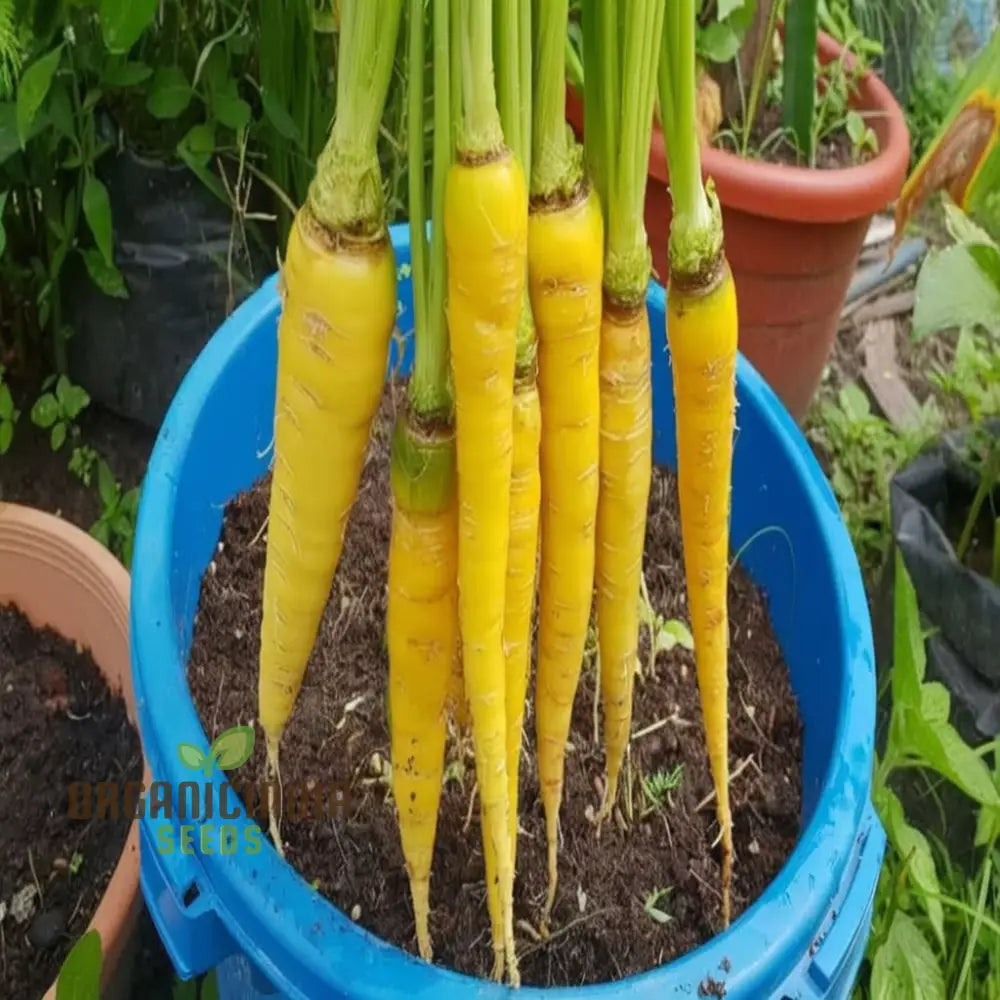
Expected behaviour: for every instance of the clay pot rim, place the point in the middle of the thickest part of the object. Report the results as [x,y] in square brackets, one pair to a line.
[119,904]
[804,194]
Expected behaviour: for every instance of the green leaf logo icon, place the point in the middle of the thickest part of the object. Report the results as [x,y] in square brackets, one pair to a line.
[230,750]
[191,757]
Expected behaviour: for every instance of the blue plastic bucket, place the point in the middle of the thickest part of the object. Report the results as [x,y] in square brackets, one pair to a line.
[268,932]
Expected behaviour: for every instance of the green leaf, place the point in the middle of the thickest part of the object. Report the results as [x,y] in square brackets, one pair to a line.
[3,232]
[799,73]
[961,228]
[909,655]
[856,127]
[126,74]
[33,89]
[198,143]
[97,210]
[6,436]
[191,757]
[956,288]
[233,748]
[947,753]
[101,532]
[105,276]
[107,485]
[169,93]
[680,633]
[231,109]
[718,42]
[45,412]
[935,702]
[6,403]
[124,21]
[912,847]
[725,7]
[210,987]
[72,398]
[58,436]
[80,974]
[905,966]
[276,113]
[854,402]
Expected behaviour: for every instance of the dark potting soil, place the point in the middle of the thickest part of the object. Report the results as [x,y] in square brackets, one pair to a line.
[59,723]
[628,902]
[834,151]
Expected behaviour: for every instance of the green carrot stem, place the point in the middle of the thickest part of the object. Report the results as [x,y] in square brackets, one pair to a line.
[346,192]
[480,133]
[696,229]
[627,263]
[556,160]
[429,389]
[508,73]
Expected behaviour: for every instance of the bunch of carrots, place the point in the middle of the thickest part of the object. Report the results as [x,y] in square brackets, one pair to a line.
[521,462]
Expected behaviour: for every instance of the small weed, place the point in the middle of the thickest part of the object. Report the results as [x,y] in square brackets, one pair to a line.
[652,907]
[56,409]
[8,415]
[82,462]
[865,452]
[664,633]
[658,786]
[75,863]
[115,528]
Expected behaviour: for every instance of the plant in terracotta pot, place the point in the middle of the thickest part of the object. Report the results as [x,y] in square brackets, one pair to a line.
[71,854]
[804,145]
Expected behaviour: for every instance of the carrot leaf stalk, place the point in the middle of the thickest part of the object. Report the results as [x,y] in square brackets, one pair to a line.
[338,286]
[565,251]
[422,614]
[618,150]
[702,337]
[485,226]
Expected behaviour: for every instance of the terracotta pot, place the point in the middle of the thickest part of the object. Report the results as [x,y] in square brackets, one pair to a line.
[58,576]
[793,236]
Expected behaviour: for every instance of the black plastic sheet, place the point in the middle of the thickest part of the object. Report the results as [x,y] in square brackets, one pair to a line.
[961,605]
[172,246]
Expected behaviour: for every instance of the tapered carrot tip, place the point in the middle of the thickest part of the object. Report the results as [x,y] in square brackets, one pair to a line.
[550,898]
[498,965]
[274,803]
[727,878]
[421,892]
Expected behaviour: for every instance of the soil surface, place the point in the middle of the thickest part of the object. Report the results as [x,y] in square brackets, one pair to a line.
[59,724]
[632,900]
[770,144]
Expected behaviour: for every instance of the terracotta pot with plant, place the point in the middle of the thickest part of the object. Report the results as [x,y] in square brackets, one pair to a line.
[69,717]
[804,144]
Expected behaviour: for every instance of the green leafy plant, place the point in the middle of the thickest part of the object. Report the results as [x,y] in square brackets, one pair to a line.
[926,938]
[80,974]
[657,788]
[9,415]
[57,408]
[865,451]
[115,527]
[229,750]
[82,462]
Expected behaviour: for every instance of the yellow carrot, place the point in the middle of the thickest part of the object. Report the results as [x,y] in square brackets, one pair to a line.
[514,103]
[565,250]
[702,335]
[422,614]
[626,456]
[421,629]
[485,221]
[619,133]
[338,312]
